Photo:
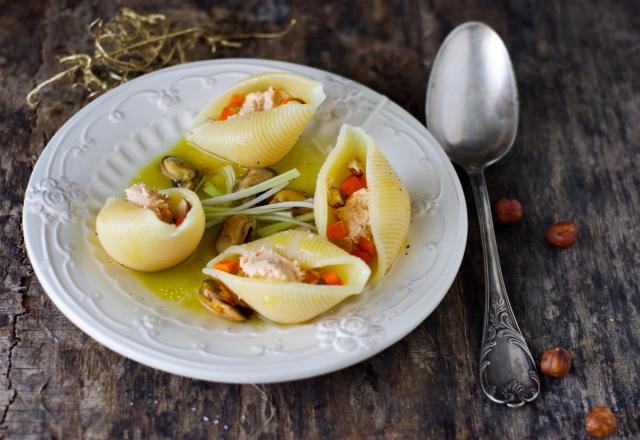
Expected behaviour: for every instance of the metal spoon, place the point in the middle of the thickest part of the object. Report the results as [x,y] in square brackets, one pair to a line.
[472,110]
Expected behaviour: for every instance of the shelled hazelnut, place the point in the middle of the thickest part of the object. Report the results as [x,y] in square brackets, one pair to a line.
[600,422]
[562,235]
[507,211]
[555,362]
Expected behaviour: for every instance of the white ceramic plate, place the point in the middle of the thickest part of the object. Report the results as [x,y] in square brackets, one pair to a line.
[97,152]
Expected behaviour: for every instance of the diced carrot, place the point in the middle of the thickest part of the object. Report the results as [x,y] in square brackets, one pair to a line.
[367,246]
[229,266]
[367,258]
[352,184]
[226,112]
[236,101]
[312,277]
[233,107]
[331,278]
[336,231]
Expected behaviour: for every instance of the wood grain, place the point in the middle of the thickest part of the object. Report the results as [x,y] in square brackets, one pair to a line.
[576,158]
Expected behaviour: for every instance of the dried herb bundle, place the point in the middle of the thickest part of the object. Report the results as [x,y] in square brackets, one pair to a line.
[129,44]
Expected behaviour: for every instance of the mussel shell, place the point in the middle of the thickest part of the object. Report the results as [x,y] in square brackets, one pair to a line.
[236,230]
[255,176]
[291,195]
[217,298]
[288,195]
[178,171]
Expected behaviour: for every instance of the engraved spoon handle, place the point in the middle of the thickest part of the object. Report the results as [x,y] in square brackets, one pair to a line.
[507,370]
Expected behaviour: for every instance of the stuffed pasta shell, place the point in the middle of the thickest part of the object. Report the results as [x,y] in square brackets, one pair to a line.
[258,120]
[289,277]
[151,230]
[360,203]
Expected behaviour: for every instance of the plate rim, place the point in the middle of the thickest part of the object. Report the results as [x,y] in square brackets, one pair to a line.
[341,362]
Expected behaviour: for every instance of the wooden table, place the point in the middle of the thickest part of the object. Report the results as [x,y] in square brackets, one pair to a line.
[577,157]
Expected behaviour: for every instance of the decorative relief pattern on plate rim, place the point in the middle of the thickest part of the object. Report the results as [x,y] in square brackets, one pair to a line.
[56,199]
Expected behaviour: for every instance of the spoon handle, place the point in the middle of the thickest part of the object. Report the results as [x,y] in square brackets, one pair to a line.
[507,370]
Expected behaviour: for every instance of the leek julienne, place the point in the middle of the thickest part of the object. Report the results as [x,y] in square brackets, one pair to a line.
[285,224]
[276,212]
[262,197]
[229,177]
[285,177]
[265,209]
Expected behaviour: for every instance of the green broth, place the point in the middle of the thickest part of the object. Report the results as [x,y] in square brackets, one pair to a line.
[180,284]
[308,159]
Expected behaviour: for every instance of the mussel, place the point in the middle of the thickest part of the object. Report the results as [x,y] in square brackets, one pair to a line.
[291,195]
[181,173]
[355,167]
[236,230]
[255,176]
[220,300]
[288,195]
[334,197]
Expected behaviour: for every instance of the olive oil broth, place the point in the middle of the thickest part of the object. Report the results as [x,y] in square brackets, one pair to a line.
[180,284]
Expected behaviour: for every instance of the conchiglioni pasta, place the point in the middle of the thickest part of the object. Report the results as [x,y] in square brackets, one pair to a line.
[138,239]
[260,138]
[293,302]
[388,200]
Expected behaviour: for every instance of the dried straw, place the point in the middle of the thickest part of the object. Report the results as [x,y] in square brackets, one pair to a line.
[130,44]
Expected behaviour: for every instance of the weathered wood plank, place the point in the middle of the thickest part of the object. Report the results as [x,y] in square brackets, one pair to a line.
[577,157]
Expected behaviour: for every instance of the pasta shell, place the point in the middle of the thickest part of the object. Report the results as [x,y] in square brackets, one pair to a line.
[262,138]
[136,238]
[389,204]
[290,302]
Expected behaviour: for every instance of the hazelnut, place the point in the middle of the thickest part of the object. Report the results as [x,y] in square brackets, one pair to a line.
[556,362]
[600,422]
[507,211]
[562,235]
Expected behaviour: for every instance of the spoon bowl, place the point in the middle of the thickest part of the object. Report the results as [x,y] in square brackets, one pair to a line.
[472,78]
